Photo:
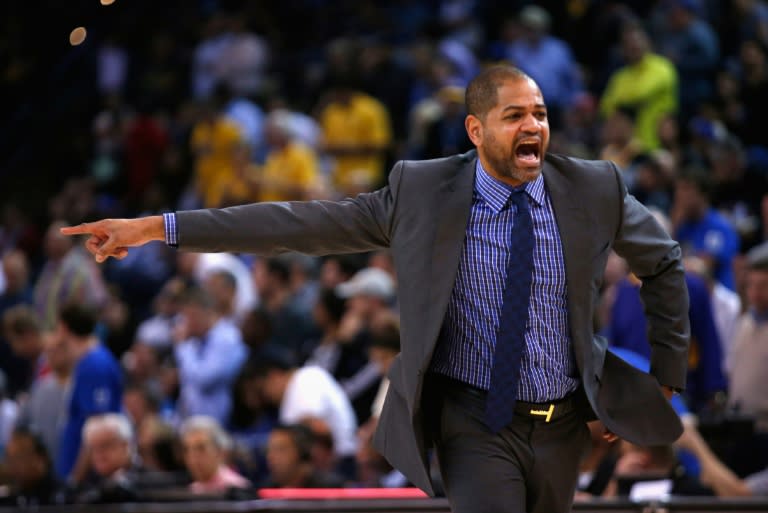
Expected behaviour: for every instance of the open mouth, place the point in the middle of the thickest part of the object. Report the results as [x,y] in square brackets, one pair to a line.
[528,152]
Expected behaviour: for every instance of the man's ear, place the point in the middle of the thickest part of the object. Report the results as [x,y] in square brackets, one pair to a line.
[474,128]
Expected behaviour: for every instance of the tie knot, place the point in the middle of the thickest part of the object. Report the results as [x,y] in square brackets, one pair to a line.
[519,198]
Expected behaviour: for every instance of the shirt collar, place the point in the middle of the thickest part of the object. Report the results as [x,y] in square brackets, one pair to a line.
[496,193]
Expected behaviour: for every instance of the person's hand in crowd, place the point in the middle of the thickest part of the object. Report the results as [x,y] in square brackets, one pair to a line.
[112,237]
[351,324]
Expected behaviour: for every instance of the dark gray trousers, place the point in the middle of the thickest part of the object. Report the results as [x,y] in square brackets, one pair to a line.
[531,466]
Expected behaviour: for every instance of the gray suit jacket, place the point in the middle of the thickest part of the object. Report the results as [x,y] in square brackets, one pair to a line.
[422,216]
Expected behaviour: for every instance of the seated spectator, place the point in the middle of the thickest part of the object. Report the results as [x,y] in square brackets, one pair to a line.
[637,464]
[45,409]
[310,392]
[701,230]
[30,471]
[24,332]
[113,470]
[157,331]
[205,445]
[346,360]
[749,364]
[97,384]
[209,358]
[289,458]
[324,457]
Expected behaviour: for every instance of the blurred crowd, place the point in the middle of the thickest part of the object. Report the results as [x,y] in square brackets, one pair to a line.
[219,374]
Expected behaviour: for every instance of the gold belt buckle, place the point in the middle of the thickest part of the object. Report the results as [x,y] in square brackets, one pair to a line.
[547,413]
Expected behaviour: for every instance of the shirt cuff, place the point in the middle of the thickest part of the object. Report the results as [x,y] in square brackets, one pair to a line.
[171,229]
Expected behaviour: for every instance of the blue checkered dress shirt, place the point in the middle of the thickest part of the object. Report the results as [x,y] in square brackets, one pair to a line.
[468,338]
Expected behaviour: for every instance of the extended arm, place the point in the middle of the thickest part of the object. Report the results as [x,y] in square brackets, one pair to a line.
[352,225]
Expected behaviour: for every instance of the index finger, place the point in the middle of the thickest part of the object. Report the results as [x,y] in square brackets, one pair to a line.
[80,229]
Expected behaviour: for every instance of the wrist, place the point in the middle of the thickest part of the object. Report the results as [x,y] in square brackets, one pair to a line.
[154,227]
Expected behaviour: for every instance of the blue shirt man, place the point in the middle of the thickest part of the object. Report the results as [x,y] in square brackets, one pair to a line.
[97,382]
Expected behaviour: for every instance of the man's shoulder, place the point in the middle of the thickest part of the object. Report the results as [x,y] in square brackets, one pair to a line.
[98,360]
[567,163]
[431,170]
[440,164]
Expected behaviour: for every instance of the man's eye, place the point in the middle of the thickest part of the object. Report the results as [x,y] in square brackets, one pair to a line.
[541,115]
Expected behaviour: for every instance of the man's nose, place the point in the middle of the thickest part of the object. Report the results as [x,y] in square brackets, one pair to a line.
[531,124]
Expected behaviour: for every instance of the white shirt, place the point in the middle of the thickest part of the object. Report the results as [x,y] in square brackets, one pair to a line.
[726,308]
[312,392]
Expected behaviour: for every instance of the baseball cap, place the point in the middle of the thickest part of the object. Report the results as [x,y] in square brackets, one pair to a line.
[370,281]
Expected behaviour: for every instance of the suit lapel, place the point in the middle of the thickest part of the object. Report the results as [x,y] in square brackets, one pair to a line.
[454,201]
[573,227]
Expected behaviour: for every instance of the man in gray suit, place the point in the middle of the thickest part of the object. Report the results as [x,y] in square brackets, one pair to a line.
[502,396]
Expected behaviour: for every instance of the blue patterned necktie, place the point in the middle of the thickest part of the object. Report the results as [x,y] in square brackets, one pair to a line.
[510,339]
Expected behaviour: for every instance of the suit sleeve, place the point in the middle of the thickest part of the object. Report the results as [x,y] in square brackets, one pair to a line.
[657,261]
[353,225]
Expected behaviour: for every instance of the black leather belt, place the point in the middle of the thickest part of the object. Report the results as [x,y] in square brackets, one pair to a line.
[545,412]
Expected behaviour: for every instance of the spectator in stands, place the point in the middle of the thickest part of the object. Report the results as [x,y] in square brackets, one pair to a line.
[113,469]
[446,135]
[738,188]
[292,169]
[749,361]
[220,152]
[343,359]
[289,328]
[24,332]
[159,450]
[726,306]
[369,295]
[194,268]
[752,16]
[647,83]
[324,458]
[97,385]
[141,403]
[700,229]
[221,285]
[209,356]
[252,419]
[18,290]
[655,174]
[246,115]
[547,59]
[15,271]
[67,276]
[45,409]
[305,286]
[205,446]
[310,392]
[690,43]
[753,59]
[356,134]
[620,144]
[336,269]
[29,467]
[289,458]
[157,330]
[637,464]
[384,347]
